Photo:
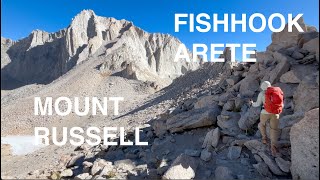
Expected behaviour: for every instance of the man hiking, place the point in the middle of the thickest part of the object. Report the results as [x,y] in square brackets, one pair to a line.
[272,100]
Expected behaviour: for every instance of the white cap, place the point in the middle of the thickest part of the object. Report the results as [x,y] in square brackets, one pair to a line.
[264,85]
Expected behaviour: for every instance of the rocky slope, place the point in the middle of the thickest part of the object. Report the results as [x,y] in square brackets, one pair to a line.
[43,57]
[199,127]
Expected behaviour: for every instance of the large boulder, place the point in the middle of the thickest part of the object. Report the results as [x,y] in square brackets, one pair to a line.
[255,146]
[298,73]
[249,85]
[183,167]
[249,118]
[205,101]
[286,39]
[159,127]
[193,119]
[288,89]
[286,123]
[306,96]
[212,138]
[234,152]
[271,164]
[228,122]
[304,137]
[282,67]
[289,120]
[263,169]
[306,37]
[313,46]
[264,57]
[290,77]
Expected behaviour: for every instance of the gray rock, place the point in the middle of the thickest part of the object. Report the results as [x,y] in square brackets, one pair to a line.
[75,160]
[183,167]
[107,170]
[248,119]
[304,137]
[159,127]
[229,105]
[289,120]
[228,122]
[285,133]
[290,77]
[283,164]
[299,73]
[234,152]
[249,85]
[297,55]
[66,173]
[163,167]
[233,80]
[205,101]
[125,164]
[313,46]
[257,158]
[306,37]
[306,96]
[288,89]
[263,169]
[271,164]
[264,57]
[227,139]
[205,155]
[193,119]
[86,166]
[245,161]
[309,59]
[98,165]
[255,146]
[238,103]
[188,104]
[241,177]
[212,138]
[223,173]
[192,152]
[83,176]
[207,173]
[282,67]
[239,141]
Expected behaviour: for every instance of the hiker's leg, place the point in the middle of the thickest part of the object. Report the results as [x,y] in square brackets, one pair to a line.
[274,133]
[262,126]
[274,129]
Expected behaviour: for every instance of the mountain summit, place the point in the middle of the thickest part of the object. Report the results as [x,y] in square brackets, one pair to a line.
[43,57]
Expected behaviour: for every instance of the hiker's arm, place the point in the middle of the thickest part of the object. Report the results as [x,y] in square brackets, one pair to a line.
[259,101]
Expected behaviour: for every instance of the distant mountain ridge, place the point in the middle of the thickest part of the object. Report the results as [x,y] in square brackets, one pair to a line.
[43,57]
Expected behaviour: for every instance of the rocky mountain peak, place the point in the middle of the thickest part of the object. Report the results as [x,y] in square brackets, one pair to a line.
[43,57]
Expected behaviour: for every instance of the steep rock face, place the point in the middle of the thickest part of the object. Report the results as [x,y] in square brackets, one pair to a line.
[42,57]
[304,137]
[5,45]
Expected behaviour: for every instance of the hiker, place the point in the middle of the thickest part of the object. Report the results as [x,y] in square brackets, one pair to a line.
[272,100]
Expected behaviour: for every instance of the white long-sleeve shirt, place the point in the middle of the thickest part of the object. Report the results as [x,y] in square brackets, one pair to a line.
[260,101]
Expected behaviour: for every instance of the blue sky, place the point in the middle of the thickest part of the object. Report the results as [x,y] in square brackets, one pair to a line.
[20,17]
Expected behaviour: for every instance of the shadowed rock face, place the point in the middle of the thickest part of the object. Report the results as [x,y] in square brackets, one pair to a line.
[42,57]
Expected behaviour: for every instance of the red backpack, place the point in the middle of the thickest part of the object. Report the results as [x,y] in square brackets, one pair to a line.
[273,100]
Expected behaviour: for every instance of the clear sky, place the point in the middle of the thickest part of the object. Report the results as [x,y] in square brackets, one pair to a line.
[20,17]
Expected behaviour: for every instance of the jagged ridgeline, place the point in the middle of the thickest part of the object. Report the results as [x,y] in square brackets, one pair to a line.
[43,57]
